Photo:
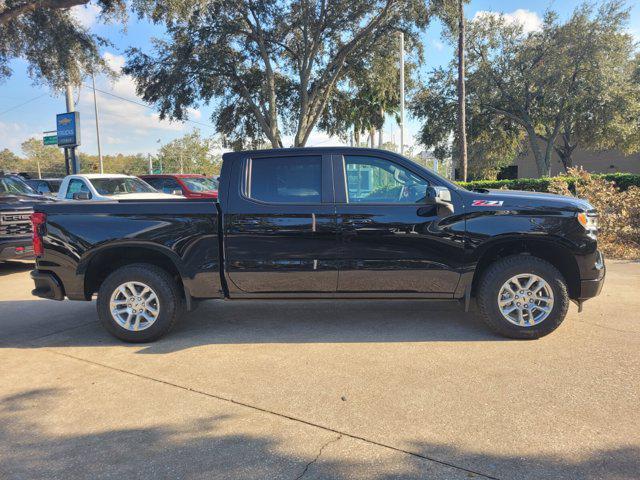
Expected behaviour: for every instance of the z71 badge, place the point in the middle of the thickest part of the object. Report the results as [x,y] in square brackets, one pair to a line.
[486,203]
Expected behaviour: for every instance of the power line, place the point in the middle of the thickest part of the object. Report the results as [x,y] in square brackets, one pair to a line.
[140,104]
[24,103]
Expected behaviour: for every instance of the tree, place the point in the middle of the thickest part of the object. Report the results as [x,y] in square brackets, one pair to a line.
[57,49]
[451,12]
[493,141]
[555,81]
[191,154]
[39,157]
[9,161]
[278,61]
[370,91]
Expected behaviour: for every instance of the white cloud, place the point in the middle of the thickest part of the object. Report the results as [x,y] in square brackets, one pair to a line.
[12,134]
[125,122]
[437,44]
[86,15]
[194,113]
[529,20]
[122,115]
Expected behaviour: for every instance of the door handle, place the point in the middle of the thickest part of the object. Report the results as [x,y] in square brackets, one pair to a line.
[357,223]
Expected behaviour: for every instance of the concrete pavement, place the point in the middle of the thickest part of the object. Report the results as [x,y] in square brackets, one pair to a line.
[320,390]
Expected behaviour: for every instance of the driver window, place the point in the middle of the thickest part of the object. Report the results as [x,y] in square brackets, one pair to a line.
[376,180]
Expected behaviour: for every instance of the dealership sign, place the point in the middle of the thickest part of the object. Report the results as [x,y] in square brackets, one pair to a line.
[68,129]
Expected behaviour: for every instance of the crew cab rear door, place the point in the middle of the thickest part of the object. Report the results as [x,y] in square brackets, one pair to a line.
[280,232]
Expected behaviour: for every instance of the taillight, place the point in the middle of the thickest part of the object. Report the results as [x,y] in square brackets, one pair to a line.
[37,221]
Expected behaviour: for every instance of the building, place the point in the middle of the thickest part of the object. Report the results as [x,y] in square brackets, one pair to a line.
[610,161]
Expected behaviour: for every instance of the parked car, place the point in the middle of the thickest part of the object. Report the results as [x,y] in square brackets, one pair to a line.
[108,187]
[323,223]
[189,185]
[16,205]
[45,186]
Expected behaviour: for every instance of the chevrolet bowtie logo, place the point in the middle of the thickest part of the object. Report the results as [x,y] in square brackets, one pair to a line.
[64,121]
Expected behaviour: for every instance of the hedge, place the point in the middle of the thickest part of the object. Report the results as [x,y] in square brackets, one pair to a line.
[622,180]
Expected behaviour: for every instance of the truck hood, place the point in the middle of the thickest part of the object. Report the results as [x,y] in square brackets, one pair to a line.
[144,196]
[11,202]
[525,199]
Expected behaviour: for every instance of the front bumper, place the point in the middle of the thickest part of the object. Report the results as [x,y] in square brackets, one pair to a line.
[21,249]
[47,285]
[592,287]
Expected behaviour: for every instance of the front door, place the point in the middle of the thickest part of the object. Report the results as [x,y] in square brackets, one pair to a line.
[280,230]
[390,241]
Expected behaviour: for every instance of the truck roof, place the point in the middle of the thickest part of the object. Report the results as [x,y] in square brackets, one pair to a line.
[91,176]
[308,150]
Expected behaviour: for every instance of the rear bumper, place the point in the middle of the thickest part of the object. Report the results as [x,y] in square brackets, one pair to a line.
[20,249]
[47,285]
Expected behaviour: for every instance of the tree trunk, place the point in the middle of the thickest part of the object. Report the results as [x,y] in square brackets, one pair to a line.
[372,136]
[356,136]
[380,135]
[462,121]
[565,151]
[541,164]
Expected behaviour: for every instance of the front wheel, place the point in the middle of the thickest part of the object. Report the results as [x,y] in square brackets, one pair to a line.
[522,296]
[139,303]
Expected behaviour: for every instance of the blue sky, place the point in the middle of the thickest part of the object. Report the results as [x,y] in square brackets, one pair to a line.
[129,128]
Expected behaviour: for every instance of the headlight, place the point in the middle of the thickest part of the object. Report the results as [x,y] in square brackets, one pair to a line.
[589,221]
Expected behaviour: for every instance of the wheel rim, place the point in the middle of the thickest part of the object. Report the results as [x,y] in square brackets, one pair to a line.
[525,300]
[134,306]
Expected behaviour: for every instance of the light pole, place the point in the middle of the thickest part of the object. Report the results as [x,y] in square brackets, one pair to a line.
[95,109]
[401,92]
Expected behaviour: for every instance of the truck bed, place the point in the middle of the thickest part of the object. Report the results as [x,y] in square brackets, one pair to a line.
[184,232]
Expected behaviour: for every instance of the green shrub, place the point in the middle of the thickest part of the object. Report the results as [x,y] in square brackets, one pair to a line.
[622,180]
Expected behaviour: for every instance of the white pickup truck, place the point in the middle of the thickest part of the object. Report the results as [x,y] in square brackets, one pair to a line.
[108,187]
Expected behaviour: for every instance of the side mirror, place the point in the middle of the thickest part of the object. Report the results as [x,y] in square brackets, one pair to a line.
[82,196]
[441,198]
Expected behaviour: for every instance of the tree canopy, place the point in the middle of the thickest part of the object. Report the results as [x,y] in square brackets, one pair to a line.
[277,61]
[370,90]
[571,80]
[191,154]
[57,49]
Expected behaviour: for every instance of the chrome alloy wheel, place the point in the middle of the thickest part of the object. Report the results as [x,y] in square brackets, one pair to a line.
[525,300]
[134,306]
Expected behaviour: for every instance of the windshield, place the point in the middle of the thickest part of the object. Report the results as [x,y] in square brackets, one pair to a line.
[119,186]
[13,186]
[200,184]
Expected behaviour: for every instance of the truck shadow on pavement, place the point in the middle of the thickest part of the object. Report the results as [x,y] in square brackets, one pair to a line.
[57,324]
[8,268]
[203,448]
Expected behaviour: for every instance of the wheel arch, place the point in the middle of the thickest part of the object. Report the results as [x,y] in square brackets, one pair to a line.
[103,261]
[551,250]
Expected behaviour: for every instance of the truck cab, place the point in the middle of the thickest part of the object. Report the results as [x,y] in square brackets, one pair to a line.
[107,187]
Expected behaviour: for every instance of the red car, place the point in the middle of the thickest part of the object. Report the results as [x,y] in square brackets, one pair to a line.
[192,185]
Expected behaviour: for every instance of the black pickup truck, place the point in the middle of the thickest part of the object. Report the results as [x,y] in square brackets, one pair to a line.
[322,223]
[16,205]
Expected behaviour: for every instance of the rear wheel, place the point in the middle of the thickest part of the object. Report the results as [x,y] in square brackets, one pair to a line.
[139,303]
[522,296]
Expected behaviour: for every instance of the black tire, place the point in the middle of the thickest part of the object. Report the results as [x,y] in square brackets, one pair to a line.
[166,290]
[502,270]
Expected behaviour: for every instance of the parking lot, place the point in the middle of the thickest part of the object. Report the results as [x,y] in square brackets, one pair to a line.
[319,389]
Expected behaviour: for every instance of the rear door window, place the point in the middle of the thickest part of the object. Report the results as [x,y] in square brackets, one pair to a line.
[295,179]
